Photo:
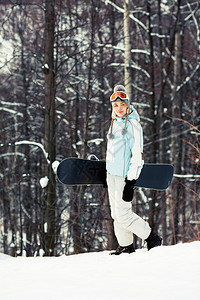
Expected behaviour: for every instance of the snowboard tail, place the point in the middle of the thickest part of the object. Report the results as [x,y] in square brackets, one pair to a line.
[76,171]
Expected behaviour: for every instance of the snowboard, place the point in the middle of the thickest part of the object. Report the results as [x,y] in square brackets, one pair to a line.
[76,171]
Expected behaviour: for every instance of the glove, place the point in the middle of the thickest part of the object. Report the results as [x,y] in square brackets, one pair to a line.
[128,190]
[104,180]
[105,186]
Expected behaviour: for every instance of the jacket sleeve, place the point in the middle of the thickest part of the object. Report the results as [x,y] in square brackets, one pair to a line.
[136,162]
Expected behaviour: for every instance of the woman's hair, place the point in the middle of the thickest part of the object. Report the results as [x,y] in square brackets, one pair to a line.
[124,131]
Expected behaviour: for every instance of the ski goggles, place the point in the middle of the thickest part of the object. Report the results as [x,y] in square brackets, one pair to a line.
[121,95]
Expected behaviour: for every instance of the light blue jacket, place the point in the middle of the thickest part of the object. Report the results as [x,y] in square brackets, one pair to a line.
[124,153]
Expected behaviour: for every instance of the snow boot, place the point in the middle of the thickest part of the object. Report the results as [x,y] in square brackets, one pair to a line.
[153,240]
[127,249]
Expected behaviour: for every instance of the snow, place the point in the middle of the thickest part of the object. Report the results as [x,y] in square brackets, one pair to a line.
[55,165]
[133,65]
[166,272]
[39,145]
[96,141]
[121,10]
[6,52]
[44,182]
[11,111]
[60,100]
[142,51]
[45,227]
[188,78]
[46,66]
[186,176]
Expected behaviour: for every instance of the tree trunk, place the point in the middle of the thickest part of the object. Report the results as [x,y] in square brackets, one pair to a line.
[176,143]
[153,117]
[49,193]
[162,143]
[127,59]
[89,87]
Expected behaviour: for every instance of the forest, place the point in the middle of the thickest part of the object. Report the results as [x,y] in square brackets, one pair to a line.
[59,62]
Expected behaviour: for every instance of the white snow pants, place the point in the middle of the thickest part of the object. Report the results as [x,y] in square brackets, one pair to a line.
[126,222]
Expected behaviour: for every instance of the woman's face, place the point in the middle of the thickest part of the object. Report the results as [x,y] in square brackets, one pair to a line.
[120,108]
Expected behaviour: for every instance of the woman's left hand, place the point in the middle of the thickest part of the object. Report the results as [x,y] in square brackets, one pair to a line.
[128,190]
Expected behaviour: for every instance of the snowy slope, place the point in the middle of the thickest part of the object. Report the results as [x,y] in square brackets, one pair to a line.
[167,272]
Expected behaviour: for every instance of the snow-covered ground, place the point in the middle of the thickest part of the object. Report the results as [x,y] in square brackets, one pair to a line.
[167,272]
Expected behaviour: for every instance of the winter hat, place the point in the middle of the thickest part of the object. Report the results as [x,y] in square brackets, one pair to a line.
[119,87]
[119,94]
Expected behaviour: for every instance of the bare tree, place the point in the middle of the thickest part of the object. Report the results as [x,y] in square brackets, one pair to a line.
[127,55]
[49,192]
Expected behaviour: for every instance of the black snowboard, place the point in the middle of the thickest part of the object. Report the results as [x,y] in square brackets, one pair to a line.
[76,171]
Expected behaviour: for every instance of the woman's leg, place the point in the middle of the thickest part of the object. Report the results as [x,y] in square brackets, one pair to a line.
[124,237]
[126,222]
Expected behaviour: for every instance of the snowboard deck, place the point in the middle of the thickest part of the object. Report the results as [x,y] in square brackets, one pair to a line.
[77,171]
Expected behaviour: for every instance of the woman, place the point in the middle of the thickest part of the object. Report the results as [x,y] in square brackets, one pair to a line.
[123,164]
